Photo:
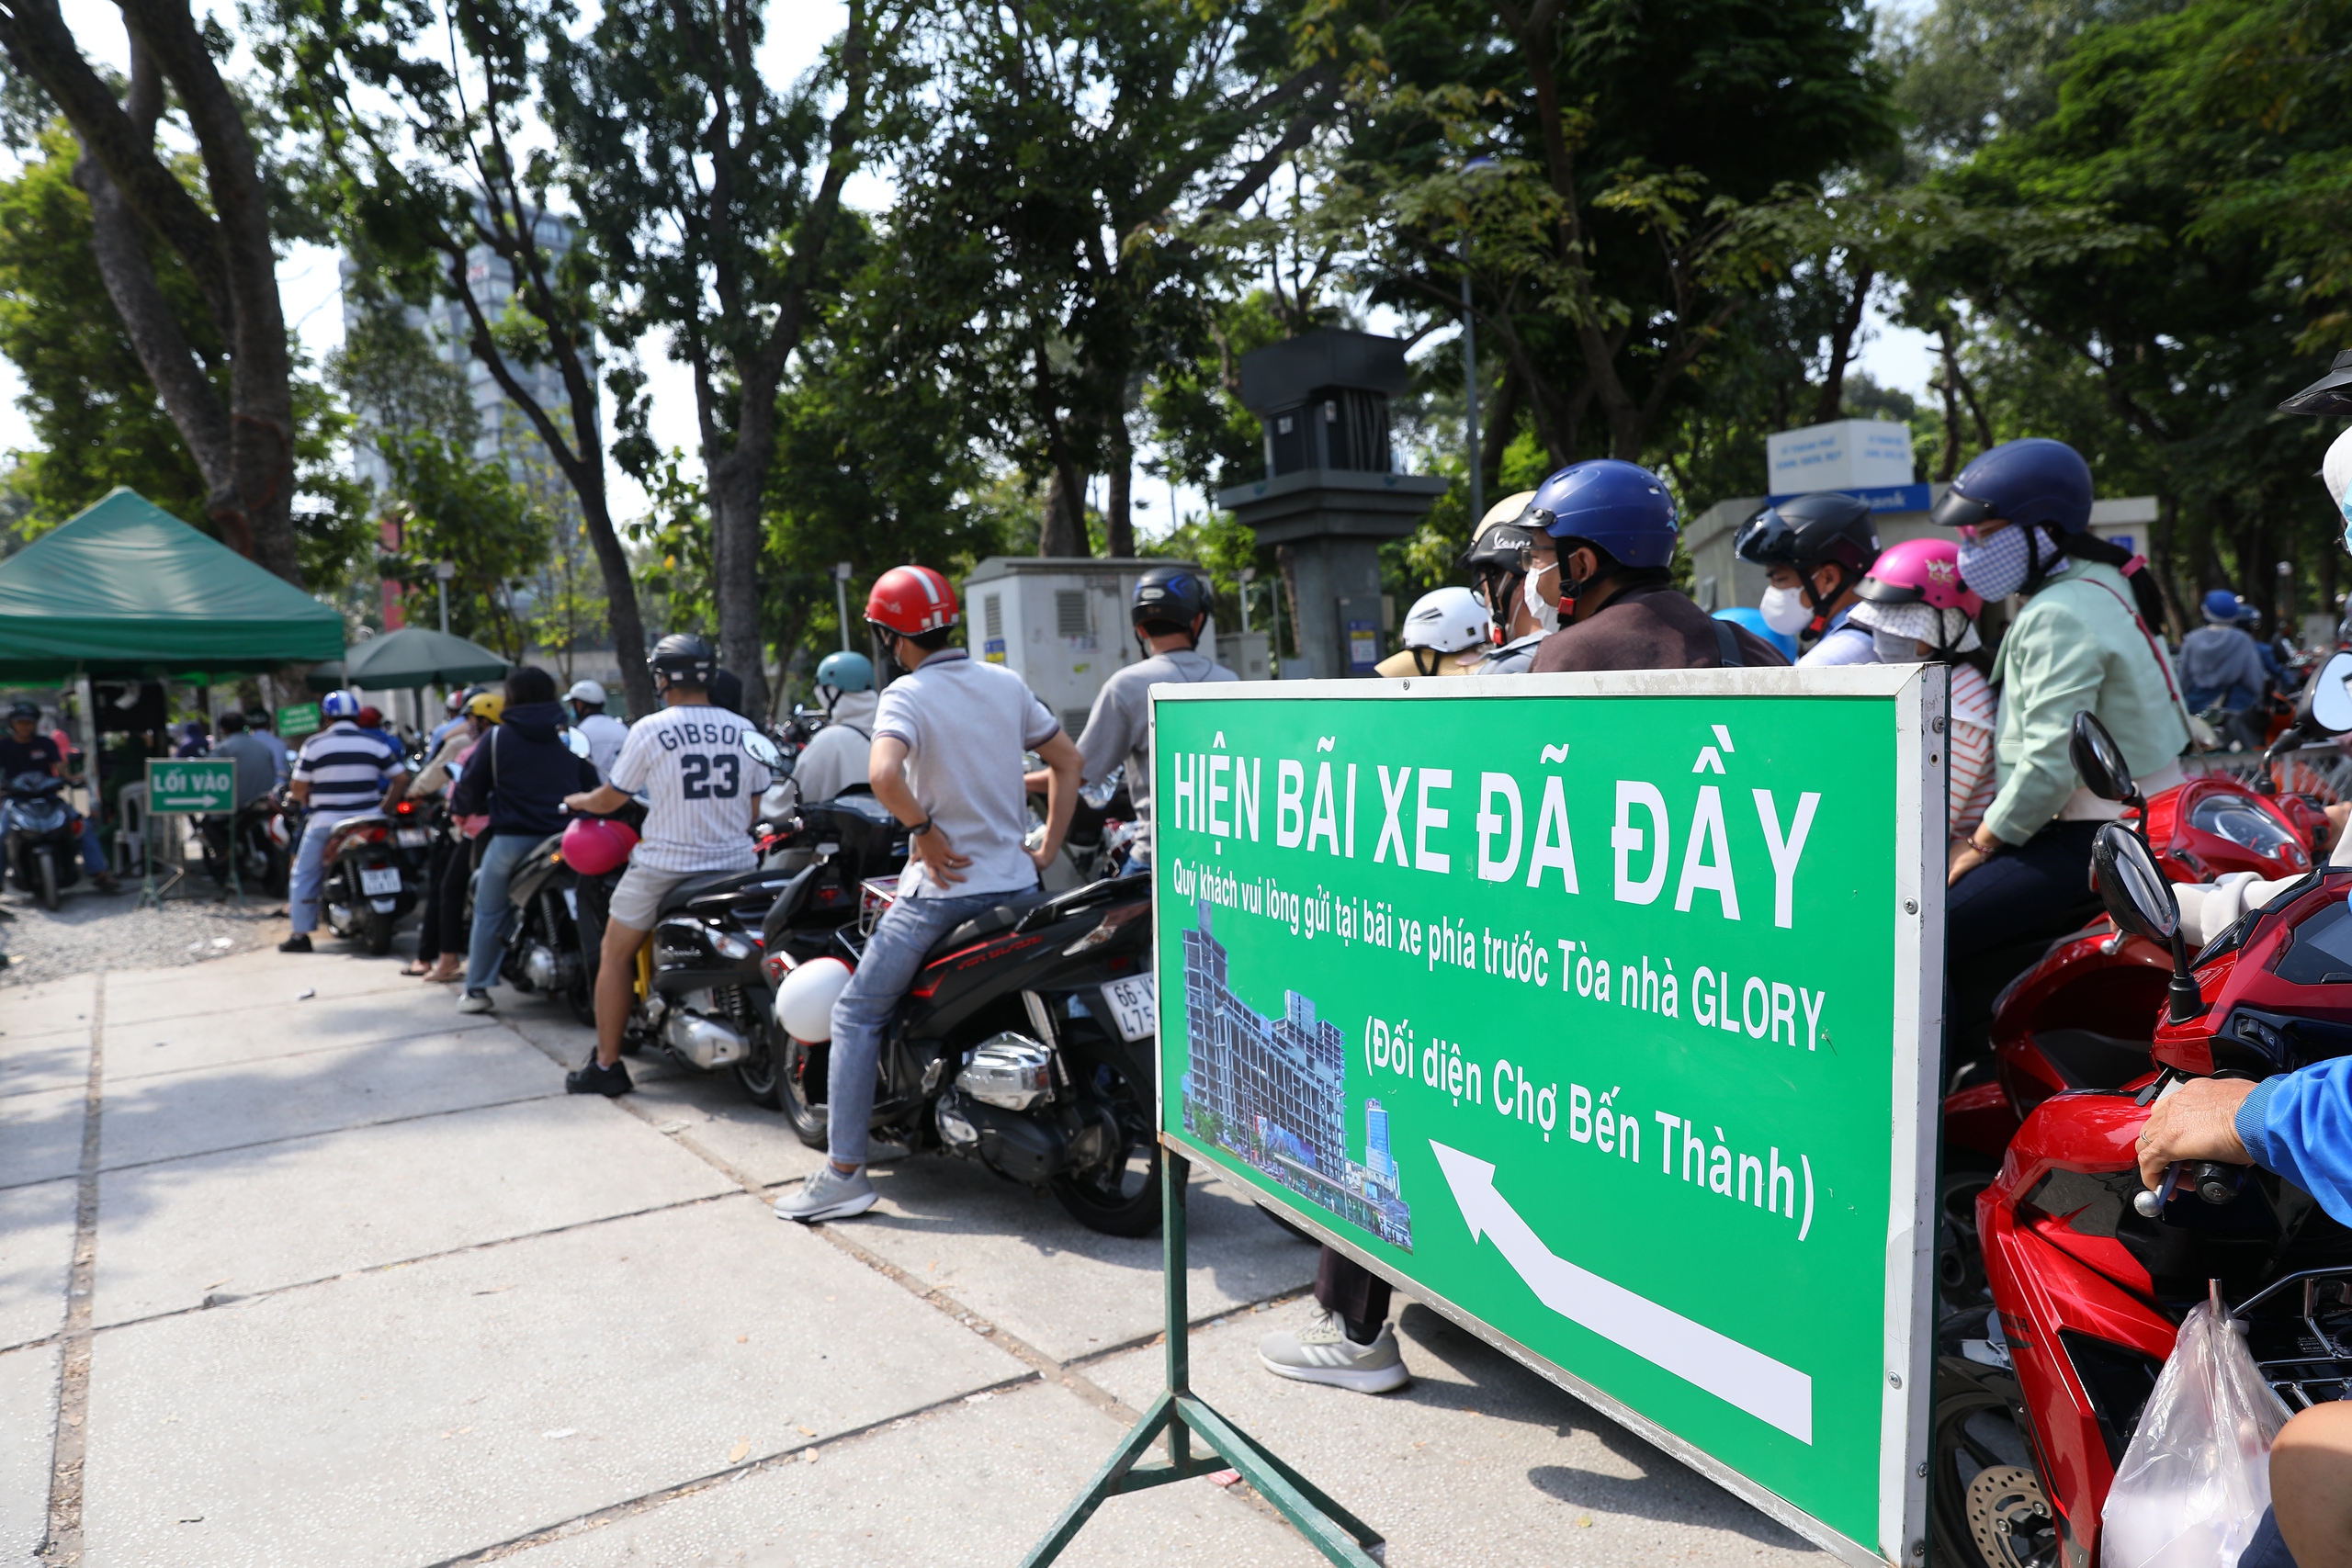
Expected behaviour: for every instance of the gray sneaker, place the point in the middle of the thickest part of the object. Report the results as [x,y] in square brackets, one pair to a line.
[829,1195]
[1322,1352]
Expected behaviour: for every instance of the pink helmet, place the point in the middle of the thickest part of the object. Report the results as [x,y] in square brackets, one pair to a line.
[1920,571]
[594,845]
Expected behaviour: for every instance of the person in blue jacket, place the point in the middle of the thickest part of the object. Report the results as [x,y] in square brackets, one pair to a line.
[2298,1126]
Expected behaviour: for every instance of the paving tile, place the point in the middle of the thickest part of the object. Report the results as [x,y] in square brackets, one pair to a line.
[247,979]
[46,1006]
[417,1413]
[32,1061]
[153,1047]
[975,1483]
[712,1110]
[289,1097]
[1478,1460]
[1017,1257]
[256,1219]
[40,1135]
[27,1445]
[36,1253]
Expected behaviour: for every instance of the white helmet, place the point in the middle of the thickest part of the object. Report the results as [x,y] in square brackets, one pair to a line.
[589,692]
[2335,473]
[1447,620]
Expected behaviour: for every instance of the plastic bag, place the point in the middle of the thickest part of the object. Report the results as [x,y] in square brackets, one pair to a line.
[2196,1478]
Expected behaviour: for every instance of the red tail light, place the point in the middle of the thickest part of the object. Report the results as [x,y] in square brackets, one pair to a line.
[405,807]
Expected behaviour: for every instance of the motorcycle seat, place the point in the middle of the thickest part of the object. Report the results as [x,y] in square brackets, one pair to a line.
[988,923]
[695,887]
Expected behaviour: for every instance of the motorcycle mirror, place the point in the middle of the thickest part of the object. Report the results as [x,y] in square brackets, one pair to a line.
[763,750]
[2134,891]
[2100,761]
[2326,703]
[576,743]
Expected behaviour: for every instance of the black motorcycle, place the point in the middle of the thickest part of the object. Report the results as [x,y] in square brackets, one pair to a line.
[1028,1042]
[252,839]
[44,838]
[375,870]
[549,949]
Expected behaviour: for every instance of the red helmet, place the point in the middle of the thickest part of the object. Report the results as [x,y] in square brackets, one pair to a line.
[910,600]
[594,845]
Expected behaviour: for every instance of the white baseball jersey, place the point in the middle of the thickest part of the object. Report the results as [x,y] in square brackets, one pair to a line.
[699,784]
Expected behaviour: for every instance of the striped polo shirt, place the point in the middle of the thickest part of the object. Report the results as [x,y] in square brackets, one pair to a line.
[347,768]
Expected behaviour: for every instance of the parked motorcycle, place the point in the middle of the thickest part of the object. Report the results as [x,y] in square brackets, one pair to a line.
[374,871]
[253,836]
[2088,1273]
[44,837]
[1028,1042]
[547,951]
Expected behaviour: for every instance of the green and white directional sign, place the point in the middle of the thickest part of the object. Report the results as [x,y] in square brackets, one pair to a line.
[191,784]
[1602,1010]
[297,720]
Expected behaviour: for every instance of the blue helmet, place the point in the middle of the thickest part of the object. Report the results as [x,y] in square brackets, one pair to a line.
[2033,480]
[845,673]
[2222,607]
[1741,615]
[339,704]
[1620,506]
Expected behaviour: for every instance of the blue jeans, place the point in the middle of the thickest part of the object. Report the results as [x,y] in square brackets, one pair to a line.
[493,916]
[862,1012]
[310,869]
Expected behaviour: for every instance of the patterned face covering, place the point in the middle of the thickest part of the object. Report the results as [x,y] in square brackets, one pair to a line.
[1998,565]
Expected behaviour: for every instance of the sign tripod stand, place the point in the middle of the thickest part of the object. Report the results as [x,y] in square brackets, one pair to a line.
[1184,1416]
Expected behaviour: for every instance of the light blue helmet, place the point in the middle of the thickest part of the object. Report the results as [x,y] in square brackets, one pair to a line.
[339,704]
[845,673]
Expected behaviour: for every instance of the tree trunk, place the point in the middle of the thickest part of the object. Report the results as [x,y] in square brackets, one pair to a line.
[1287,563]
[1502,420]
[736,481]
[1948,385]
[1118,510]
[1841,347]
[1063,531]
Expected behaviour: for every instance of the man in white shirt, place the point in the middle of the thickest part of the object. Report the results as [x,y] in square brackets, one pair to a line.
[702,786]
[604,733]
[947,742]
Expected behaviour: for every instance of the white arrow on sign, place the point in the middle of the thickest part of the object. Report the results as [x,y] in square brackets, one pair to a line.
[1763,1387]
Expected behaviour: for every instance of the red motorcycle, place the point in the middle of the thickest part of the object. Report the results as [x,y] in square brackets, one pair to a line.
[2074,1018]
[2087,1272]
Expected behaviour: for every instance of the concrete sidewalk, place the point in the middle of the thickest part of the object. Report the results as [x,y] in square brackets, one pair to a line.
[346,1279]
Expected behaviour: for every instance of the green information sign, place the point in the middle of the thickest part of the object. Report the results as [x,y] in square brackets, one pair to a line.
[193,783]
[297,720]
[1602,1010]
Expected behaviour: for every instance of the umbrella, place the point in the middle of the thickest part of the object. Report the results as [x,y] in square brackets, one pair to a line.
[417,657]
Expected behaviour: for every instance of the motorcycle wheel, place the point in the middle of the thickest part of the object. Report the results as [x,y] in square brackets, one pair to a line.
[50,896]
[1121,1198]
[800,1087]
[1960,1260]
[1986,1499]
[375,930]
[757,1072]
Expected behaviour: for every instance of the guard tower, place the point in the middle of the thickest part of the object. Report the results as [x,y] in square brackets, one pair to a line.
[1330,491]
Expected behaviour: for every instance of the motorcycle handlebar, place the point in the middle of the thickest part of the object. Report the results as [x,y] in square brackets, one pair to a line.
[2209,1180]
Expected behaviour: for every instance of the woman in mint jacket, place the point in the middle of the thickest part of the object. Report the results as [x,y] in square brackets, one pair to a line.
[2083,641]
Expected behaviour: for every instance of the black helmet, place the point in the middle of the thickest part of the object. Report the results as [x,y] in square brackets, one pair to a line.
[1808,532]
[1169,596]
[682,659]
[24,710]
[2331,394]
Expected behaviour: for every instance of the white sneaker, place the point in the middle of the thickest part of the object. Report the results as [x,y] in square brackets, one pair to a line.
[475,1001]
[1322,1352]
[829,1195]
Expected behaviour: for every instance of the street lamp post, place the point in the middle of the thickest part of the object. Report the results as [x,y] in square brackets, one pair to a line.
[1475,168]
[442,572]
[841,599]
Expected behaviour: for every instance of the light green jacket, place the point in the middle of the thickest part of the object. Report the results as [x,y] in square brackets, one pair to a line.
[2078,645]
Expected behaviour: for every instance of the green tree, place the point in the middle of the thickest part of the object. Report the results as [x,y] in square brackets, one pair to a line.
[450,506]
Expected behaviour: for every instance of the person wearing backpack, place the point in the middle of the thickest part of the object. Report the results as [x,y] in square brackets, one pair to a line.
[520,773]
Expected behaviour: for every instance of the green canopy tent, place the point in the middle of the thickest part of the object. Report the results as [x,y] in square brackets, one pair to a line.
[125,589]
[408,658]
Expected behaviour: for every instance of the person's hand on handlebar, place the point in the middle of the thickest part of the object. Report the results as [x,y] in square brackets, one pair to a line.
[2197,1120]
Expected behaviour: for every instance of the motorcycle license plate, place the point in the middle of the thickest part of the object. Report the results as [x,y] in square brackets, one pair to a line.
[413,838]
[379,882]
[1131,1002]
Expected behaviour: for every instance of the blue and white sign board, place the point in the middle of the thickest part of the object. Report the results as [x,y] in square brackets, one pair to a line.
[1845,453]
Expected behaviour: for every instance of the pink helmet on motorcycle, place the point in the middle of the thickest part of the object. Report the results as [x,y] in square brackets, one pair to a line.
[594,845]
[1920,571]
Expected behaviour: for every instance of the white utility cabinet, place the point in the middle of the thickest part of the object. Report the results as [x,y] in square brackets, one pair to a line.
[1060,622]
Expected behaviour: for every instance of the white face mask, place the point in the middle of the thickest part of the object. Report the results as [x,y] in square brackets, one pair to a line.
[1544,611]
[1893,647]
[1785,610]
